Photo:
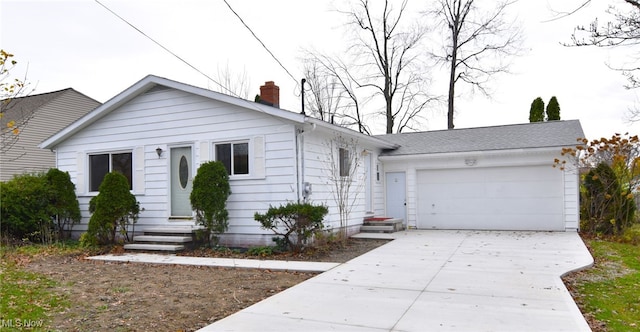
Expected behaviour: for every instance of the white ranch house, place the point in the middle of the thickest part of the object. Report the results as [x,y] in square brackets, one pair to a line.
[158,131]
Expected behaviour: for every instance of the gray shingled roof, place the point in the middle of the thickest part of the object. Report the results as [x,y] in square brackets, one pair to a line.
[21,107]
[518,136]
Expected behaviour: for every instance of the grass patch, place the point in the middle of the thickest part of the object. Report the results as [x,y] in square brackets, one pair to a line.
[610,291]
[27,298]
[121,289]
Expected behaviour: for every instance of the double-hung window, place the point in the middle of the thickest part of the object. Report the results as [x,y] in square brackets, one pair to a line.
[234,157]
[101,164]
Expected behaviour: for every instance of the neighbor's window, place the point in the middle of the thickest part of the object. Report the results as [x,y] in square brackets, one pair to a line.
[101,164]
[234,157]
[345,162]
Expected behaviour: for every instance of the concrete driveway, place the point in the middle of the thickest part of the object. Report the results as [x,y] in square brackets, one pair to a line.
[434,281]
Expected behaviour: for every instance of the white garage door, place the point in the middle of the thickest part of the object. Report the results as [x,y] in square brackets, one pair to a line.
[500,198]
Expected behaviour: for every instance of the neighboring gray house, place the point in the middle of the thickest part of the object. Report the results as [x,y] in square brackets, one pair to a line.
[47,113]
[158,131]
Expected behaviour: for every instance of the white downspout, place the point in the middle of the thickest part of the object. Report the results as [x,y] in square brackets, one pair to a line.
[299,160]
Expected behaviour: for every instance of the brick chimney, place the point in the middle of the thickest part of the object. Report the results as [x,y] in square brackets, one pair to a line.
[270,94]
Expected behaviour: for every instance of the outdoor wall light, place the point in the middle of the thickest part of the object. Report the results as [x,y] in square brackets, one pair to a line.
[159,151]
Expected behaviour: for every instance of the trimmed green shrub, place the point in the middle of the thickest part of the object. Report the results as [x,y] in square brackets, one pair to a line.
[294,222]
[115,207]
[63,203]
[39,207]
[24,206]
[209,199]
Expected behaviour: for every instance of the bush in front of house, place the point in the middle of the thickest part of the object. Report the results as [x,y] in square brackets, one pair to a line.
[39,207]
[113,209]
[63,202]
[25,208]
[295,223]
[209,199]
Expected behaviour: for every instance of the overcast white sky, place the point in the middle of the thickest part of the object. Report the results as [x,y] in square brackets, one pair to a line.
[79,44]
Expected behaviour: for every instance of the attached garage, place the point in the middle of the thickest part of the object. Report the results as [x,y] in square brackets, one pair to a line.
[497,198]
[489,178]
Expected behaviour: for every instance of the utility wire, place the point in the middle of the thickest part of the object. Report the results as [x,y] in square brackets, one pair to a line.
[166,49]
[260,41]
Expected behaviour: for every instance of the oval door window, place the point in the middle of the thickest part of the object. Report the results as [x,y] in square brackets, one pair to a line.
[183,172]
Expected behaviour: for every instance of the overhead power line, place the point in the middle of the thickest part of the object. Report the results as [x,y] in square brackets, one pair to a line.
[166,49]
[260,41]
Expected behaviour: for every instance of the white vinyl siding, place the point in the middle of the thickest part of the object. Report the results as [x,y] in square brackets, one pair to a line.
[478,190]
[166,118]
[316,171]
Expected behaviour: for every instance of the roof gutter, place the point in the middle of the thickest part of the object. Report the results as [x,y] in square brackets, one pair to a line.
[483,153]
[361,137]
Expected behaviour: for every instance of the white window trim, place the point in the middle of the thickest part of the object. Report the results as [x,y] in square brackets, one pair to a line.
[87,164]
[250,156]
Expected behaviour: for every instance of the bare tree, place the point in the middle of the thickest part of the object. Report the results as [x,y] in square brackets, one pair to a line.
[323,99]
[477,45]
[386,52]
[344,175]
[14,116]
[237,85]
[622,31]
[333,96]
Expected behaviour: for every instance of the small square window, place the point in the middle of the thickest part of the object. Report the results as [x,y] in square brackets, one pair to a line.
[101,164]
[234,157]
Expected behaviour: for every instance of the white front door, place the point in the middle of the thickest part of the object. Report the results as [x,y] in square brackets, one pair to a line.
[396,195]
[181,174]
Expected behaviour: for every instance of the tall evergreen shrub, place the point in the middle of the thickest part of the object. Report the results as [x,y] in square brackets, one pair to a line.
[209,199]
[115,207]
[63,203]
[536,113]
[553,109]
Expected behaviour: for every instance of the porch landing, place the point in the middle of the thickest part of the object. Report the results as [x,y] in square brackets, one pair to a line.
[381,225]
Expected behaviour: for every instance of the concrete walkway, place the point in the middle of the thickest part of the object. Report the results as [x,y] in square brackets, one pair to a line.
[221,262]
[434,281]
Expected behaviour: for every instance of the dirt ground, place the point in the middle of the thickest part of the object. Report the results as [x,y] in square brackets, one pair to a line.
[147,297]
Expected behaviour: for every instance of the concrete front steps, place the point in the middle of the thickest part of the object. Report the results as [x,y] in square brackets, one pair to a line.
[381,225]
[164,238]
